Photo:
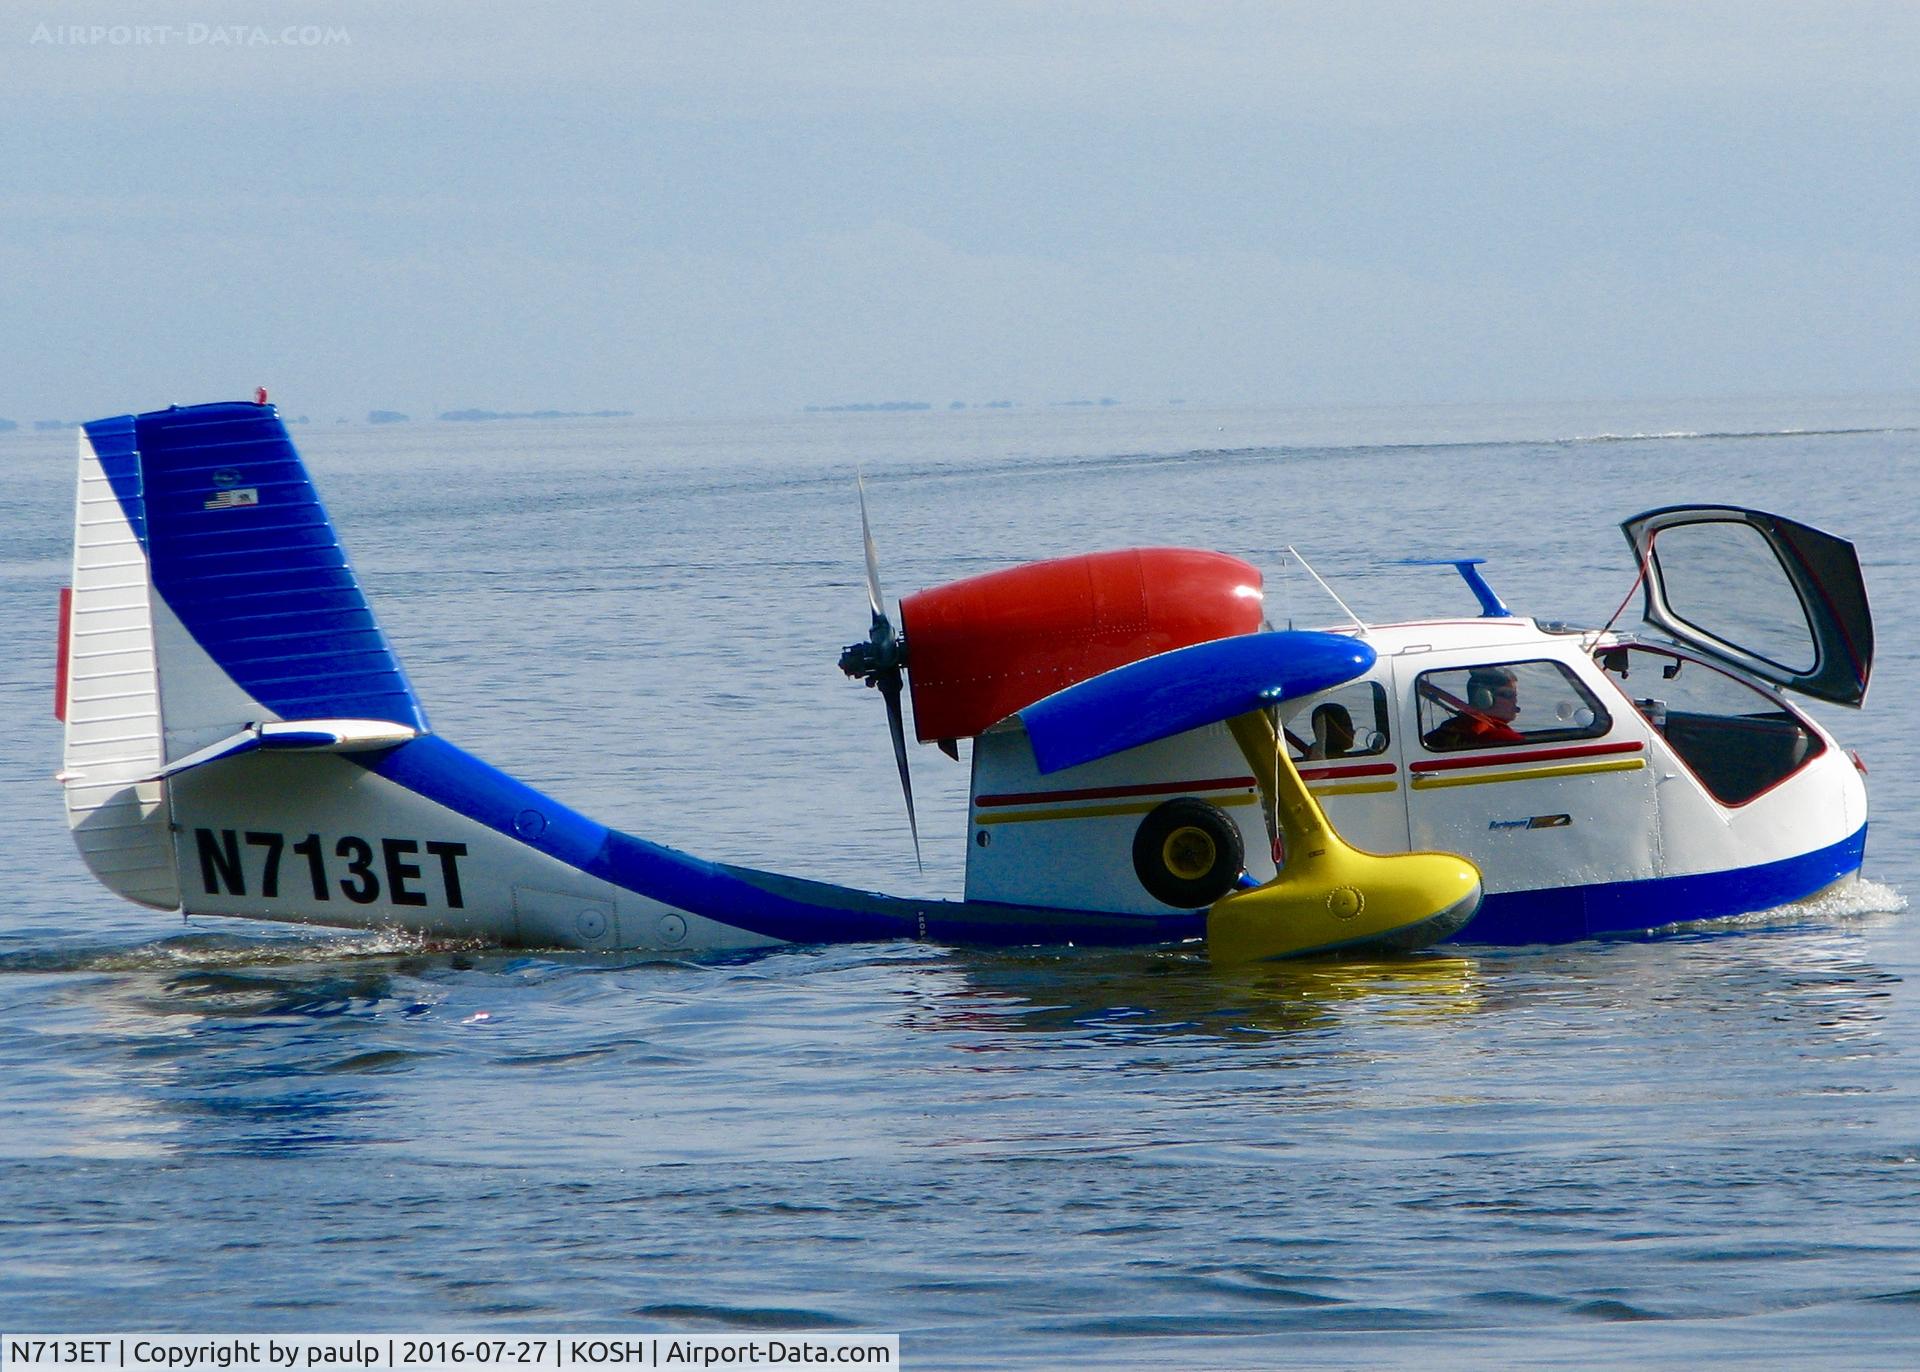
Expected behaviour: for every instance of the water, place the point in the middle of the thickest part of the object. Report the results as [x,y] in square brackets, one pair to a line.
[1703,1149]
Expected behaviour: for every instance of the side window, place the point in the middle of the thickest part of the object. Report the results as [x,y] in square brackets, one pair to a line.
[1738,740]
[1500,704]
[1348,721]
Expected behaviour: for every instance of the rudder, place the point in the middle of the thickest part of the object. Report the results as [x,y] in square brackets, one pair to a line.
[210,595]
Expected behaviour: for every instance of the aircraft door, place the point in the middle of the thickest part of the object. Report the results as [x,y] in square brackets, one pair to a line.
[1519,765]
[1776,599]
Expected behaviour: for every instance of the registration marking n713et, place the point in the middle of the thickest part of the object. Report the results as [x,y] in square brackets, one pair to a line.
[401,874]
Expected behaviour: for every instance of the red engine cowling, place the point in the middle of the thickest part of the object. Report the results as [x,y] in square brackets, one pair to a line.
[982,648]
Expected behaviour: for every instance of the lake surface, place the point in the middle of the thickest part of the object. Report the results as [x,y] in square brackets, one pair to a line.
[1703,1149]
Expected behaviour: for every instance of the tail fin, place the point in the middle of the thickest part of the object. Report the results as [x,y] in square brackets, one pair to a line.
[210,596]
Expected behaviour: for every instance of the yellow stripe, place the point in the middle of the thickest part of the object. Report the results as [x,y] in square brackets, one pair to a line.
[1354,788]
[1132,807]
[1573,769]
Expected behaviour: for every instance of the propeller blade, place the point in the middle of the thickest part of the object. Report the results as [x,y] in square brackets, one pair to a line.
[874,597]
[890,688]
[878,661]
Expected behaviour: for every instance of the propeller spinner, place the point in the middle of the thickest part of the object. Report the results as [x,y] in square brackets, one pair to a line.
[879,660]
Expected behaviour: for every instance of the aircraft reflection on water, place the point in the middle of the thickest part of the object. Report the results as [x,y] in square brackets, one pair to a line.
[1134,996]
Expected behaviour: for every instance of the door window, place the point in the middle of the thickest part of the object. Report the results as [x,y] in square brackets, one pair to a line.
[1502,704]
[1348,721]
[1723,578]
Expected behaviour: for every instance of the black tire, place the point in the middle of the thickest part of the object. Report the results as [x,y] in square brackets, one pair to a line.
[1187,853]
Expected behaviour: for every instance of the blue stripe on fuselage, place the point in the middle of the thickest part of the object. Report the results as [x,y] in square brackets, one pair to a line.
[763,903]
[800,911]
[1567,914]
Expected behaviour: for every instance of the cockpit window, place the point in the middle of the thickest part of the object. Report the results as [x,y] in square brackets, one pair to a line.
[1348,721]
[1737,739]
[1501,704]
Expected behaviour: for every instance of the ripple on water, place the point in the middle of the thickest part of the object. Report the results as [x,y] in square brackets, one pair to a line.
[743,1317]
[1614,1310]
[380,1060]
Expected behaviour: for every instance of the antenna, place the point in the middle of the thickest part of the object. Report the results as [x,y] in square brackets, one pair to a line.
[1361,623]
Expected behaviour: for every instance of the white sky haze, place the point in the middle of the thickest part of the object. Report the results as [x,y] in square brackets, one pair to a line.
[704,208]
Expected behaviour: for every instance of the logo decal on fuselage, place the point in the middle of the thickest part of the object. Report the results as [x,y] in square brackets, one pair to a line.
[1535,822]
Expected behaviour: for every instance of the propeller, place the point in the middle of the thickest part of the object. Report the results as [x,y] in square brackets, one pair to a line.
[879,660]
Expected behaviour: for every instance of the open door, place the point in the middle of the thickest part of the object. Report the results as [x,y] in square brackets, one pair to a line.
[1779,600]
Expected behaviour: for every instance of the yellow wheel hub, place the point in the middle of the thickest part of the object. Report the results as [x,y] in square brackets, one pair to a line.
[1189,853]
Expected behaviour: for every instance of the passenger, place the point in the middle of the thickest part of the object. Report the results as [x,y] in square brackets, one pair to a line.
[1332,732]
[1493,699]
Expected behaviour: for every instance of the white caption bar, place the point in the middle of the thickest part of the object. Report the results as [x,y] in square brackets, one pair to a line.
[439,1352]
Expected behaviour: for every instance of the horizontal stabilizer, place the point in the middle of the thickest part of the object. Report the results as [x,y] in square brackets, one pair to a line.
[299,735]
[1158,697]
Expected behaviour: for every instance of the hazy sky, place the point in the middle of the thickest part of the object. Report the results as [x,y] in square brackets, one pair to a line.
[705,207]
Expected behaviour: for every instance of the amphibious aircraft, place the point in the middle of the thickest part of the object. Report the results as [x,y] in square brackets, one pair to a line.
[1151,762]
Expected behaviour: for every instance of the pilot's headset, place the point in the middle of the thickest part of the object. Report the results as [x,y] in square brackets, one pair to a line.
[1481,687]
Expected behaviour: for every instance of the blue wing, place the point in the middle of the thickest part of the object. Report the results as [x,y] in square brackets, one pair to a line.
[1158,697]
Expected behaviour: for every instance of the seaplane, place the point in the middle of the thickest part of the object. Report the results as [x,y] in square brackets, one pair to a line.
[1152,762]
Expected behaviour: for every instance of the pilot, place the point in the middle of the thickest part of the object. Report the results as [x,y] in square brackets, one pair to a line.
[1493,699]
[1332,732]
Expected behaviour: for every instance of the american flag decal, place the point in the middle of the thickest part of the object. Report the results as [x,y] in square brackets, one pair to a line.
[233,500]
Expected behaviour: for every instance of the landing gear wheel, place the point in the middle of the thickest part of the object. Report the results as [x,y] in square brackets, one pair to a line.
[1187,853]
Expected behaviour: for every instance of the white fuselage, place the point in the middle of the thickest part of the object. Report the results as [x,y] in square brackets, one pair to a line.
[1593,798]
